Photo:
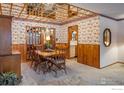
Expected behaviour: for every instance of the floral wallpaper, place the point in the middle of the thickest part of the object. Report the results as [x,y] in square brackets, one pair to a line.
[88,31]
[19,30]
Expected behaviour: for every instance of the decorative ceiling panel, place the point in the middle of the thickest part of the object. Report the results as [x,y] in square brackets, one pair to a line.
[54,13]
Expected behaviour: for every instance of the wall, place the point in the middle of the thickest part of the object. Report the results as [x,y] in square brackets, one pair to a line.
[19,31]
[19,35]
[120,41]
[88,30]
[108,55]
[88,40]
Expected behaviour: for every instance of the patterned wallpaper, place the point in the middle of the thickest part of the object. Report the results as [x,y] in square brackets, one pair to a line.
[19,30]
[88,31]
[62,35]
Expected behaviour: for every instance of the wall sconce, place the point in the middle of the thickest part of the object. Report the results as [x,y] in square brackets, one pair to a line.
[107,37]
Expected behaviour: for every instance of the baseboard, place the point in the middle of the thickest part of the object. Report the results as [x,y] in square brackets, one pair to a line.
[112,64]
[120,62]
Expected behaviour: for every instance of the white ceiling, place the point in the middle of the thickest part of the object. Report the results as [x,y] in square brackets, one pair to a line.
[114,10]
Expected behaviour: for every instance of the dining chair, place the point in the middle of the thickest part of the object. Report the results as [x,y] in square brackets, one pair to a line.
[34,59]
[43,65]
[59,60]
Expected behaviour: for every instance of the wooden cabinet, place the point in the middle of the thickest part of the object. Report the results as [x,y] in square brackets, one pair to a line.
[11,63]
[5,35]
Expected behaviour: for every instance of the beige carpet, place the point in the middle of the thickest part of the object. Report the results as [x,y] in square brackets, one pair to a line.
[77,74]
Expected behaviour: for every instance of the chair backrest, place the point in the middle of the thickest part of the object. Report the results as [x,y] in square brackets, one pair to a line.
[60,54]
[34,56]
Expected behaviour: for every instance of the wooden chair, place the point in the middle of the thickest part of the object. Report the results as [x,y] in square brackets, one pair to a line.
[58,60]
[34,59]
[43,65]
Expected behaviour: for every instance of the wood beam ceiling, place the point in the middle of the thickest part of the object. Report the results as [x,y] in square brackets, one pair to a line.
[59,15]
[11,8]
[34,18]
[30,13]
[22,10]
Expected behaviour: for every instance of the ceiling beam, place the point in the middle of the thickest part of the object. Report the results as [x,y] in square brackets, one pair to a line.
[22,10]
[49,15]
[78,9]
[34,18]
[0,9]
[30,14]
[11,8]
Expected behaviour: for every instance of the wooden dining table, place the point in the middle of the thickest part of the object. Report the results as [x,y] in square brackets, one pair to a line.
[47,55]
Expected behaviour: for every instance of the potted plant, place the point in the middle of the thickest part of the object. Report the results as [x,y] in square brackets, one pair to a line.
[8,78]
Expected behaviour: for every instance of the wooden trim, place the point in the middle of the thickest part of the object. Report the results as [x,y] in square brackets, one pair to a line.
[30,14]
[121,19]
[71,29]
[34,18]
[79,8]
[53,23]
[112,64]
[121,62]
[115,19]
[108,17]
[89,54]
[16,5]
[30,20]
[22,10]
[0,9]
[61,6]
[57,23]
[11,8]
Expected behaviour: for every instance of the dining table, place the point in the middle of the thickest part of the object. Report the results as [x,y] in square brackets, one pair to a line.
[47,54]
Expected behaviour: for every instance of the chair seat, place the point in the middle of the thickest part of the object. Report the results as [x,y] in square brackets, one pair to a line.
[58,61]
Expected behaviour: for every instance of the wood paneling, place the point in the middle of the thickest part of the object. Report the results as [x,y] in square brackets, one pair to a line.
[11,63]
[22,49]
[5,35]
[89,54]
[63,45]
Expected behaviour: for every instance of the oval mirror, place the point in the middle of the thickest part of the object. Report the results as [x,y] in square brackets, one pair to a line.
[107,37]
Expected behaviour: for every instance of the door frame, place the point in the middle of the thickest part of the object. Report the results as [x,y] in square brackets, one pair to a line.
[75,27]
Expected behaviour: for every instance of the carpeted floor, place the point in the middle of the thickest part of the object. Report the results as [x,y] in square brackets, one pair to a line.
[77,74]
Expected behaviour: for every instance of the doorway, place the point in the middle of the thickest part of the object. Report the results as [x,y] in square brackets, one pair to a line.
[73,41]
